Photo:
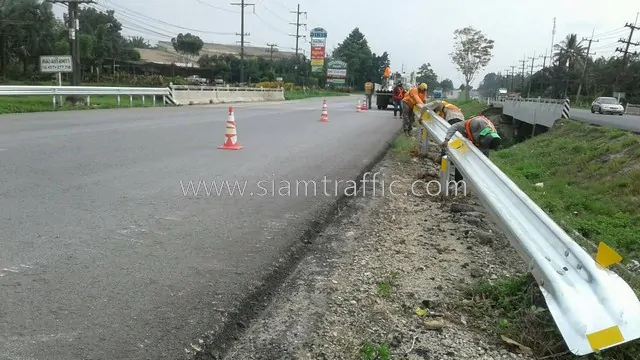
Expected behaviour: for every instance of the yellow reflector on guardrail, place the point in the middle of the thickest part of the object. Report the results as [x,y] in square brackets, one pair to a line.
[606,256]
[605,338]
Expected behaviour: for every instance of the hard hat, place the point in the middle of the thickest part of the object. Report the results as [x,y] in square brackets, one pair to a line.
[491,138]
[422,87]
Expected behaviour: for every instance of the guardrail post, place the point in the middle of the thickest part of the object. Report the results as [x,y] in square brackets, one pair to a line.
[142,100]
[53,99]
[130,100]
[154,100]
[424,144]
[444,176]
[88,100]
[118,100]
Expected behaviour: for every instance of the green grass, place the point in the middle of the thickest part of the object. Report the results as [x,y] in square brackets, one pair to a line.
[591,181]
[469,107]
[515,308]
[385,286]
[300,94]
[27,104]
[370,351]
[403,147]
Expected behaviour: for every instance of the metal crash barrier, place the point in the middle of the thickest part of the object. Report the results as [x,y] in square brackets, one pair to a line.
[592,306]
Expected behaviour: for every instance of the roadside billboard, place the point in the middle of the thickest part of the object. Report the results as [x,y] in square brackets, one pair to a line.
[318,38]
[336,73]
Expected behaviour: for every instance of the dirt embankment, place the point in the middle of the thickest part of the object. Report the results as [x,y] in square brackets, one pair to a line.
[388,280]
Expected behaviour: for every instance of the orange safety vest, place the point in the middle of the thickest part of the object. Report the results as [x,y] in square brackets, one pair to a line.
[409,97]
[467,127]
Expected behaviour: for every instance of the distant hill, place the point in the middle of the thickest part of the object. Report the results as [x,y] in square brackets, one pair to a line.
[165,54]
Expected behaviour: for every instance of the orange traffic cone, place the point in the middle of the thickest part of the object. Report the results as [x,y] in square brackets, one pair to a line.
[324,117]
[231,137]
[364,105]
[358,106]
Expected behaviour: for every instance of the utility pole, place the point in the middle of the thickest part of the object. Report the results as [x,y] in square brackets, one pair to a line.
[242,5]
[74,39]
[297,24]
[506,79]
[531,73]
[513,75]
[586,62]
[544,64]
[553,36]
[628,42]
[272,50]
[523,61]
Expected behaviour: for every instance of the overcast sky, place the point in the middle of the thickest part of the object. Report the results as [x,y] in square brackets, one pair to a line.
[411,31]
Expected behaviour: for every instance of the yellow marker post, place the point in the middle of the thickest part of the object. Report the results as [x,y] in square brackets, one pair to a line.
[606,256]
[605,338]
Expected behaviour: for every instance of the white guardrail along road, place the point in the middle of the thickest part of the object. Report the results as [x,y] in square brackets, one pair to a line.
[193,95]
[592,306]
[87,91]
[174,94]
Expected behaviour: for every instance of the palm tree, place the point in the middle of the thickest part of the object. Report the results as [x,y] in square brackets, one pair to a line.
[570,53]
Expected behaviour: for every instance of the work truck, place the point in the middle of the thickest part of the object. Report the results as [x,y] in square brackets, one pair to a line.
[384,94]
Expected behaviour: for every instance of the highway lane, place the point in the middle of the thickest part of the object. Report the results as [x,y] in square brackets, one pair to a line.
[624,122]
[101,254]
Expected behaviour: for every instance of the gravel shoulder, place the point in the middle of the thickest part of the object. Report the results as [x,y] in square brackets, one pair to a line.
[358,292]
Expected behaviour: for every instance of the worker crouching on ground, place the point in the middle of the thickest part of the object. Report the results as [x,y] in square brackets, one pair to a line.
[480,131]
[398,95]
[368,92]
[414,97]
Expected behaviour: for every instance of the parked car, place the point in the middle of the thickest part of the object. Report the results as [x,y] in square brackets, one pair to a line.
[197,80]
[607,105]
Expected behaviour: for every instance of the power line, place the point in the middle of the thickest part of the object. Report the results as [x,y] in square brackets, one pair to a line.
[125,11]
[242,5]
[269,24]
[273,13]
[298,24]
[216,7]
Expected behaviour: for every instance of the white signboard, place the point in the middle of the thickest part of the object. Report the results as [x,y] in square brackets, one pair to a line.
[337,73]
[56,64]
[318,42]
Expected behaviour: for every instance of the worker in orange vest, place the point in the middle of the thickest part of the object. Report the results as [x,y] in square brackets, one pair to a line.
[417,96]
[449,112]
[386,75]
[480,131]
[398,95]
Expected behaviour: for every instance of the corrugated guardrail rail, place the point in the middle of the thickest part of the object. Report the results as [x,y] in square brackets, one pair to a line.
[592,306]
[88,91]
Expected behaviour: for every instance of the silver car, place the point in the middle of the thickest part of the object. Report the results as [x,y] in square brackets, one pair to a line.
[607,105]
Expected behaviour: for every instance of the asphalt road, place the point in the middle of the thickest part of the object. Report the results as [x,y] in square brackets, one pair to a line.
[101,254]
[624,122]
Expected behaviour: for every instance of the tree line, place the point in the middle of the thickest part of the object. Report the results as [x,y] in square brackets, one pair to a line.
[572,72]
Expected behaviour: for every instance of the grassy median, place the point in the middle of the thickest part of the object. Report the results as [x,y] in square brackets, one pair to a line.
[304,94]
[28,104]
